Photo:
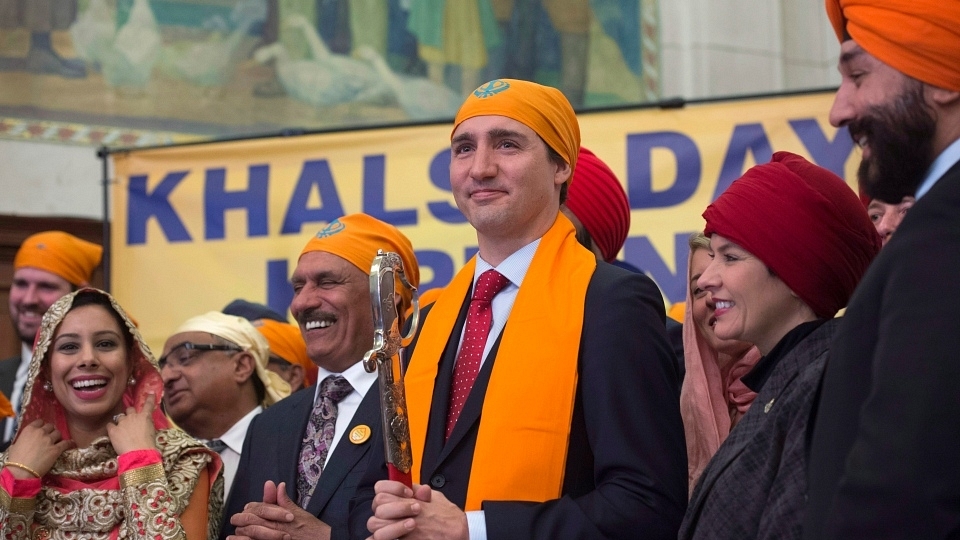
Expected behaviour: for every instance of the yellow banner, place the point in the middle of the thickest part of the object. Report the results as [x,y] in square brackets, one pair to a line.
[197,226]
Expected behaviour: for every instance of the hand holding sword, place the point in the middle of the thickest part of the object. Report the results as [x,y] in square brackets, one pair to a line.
[384,358]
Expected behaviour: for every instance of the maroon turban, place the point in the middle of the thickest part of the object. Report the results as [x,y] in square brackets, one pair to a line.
[804,223]
[597,199]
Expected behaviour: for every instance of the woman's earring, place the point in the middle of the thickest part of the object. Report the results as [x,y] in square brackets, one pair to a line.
[48,386]
[131,381]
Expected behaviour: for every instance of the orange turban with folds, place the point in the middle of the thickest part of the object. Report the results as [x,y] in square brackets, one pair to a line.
[543,109]
[357,238]
[286,342]
[804,223]
[920,38]
[61,254]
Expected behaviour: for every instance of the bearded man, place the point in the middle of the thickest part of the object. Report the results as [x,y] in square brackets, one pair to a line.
[883,450]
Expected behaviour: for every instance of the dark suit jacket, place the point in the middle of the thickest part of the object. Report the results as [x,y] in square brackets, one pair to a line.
[271,451]
[754,486]
[8,374]
[883,456]
[625,475]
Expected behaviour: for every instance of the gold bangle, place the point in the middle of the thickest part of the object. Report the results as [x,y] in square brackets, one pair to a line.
[24,467]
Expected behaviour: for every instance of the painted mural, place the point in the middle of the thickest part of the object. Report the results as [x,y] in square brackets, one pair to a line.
[147,72]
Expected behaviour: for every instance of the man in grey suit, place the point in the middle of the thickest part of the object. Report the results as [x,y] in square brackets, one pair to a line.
[304,457]
[47,266]
[882,456]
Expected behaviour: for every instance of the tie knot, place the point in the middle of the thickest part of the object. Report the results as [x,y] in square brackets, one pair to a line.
[335,388]
[216,445]
[488,285]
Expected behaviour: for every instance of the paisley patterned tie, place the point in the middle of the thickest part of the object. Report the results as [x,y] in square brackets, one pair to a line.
[319,436]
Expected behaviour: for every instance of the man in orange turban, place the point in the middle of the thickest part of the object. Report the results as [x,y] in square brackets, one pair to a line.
[288,351]
[889,407]
[310,449]
[47,266]
[526,365]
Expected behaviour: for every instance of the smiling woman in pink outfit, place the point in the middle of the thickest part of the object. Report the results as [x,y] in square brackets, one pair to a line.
[93,456]
[713,399]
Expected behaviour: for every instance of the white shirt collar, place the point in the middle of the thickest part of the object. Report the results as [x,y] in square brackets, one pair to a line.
[513,267]
[947,159]
[359,379]
[234,436]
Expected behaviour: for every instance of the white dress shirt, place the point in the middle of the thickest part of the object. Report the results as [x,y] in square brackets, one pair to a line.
[230,455]
[26,353]
[948,158]
[361,381]
[515,269]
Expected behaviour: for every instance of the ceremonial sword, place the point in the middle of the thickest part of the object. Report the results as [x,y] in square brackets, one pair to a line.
[384,358]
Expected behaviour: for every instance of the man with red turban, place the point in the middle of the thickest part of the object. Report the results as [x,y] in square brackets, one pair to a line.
[542,394]
[47,266]
[597,205]
[883,449]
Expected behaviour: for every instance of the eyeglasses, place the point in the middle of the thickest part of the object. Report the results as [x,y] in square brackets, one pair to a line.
[279,362]
[185,353]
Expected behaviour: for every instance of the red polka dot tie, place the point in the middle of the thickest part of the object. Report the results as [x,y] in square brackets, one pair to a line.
[479,319]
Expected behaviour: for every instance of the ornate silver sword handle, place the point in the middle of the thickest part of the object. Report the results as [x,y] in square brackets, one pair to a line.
[384,358]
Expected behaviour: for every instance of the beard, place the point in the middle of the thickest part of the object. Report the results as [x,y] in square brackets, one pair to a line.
[900,137]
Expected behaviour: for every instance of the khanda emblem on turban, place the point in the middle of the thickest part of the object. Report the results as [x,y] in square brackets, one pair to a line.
[491,88]
[331,229]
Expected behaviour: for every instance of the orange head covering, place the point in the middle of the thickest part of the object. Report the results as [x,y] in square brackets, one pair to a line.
[6,408]
[543,109]
[357,237]
[286,342]
[61,254]
[920,38]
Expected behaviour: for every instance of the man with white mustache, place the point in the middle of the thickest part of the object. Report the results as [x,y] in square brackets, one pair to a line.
[303,458]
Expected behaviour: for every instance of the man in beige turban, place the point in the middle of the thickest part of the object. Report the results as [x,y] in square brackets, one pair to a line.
[216,381]
[882,456]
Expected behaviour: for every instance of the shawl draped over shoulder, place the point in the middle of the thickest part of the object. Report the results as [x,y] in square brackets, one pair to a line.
[173,492]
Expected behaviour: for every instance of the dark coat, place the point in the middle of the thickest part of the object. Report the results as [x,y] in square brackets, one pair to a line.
[8,374]
[271,451]
[884,452]
[625,475]
[754,487]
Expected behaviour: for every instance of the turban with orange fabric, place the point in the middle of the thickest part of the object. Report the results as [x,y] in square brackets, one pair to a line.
[920,38]
[61,254]
[357,237]
[804,223]
[286,342]
[543,109]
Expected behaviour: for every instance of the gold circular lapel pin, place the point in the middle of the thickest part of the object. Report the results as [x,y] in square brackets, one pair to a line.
[360,434]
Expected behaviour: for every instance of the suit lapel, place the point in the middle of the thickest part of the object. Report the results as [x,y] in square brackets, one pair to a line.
[288,455]
[437,422]
[347,454]
[470,414]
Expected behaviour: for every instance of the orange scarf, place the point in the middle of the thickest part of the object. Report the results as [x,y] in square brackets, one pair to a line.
[6,408]
[521,446]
